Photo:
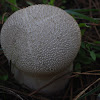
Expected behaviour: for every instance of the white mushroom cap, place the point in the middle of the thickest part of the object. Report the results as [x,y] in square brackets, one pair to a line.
[42,40]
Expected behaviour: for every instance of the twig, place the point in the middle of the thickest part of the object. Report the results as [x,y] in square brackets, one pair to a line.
[86,89]
[1,87]
[91,44]
[94,4]
[90,39]
[93,24]
[77,4]
[81,82]
[71,91]
[11,92]
[66,92]
[94,71]
[85,73]
[13,4]
[50,82]
[98,5]
[77,73]
[3,18]
[90,6]
[22,93]
[97,31]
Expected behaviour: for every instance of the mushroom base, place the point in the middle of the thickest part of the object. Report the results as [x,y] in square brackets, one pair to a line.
[36,82]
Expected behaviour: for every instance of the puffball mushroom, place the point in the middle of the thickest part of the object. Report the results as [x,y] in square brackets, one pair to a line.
[41,41]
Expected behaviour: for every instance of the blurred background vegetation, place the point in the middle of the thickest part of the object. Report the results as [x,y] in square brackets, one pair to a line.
[84,83]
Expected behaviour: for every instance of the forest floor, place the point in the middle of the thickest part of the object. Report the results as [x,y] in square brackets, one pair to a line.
[84,83]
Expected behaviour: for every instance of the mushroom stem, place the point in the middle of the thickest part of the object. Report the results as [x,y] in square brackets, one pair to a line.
[52,84]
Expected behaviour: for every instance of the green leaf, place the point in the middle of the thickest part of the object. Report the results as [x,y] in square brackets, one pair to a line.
[29,3]
[88,46]
[91,46]
[83,58]
[4,77]
[14,3]
[90,92]
[78,67]
[83,31]
[5,18]
[83,25]
[83,45]
[2,2]
[97,42]
[95,47]
[85,10]
[93,55]
[51,2]
[62,7]
[64,1]
[45,1]
[98,55]
[98,97]
[82,16]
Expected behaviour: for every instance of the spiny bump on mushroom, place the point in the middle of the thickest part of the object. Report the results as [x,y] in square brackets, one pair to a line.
[40,40]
